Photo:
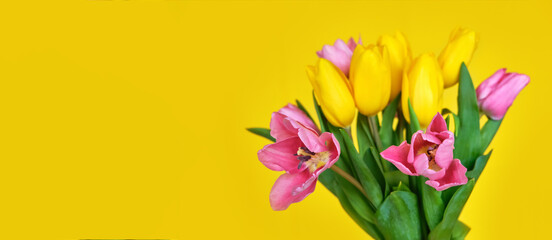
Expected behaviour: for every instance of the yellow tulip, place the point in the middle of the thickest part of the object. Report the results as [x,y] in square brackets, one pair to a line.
[370,76]
[460,48]
[333,92]
[423,85]
[400,56]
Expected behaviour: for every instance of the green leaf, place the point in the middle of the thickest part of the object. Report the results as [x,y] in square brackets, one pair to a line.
[374,164]
[321,118]
[394,178]
[344,161]
[358,201]
[300,106]
[369,183]
[328,179]
[488,132]
[468,142]
[386,130]
[455,117]
[397,217]
[368,227]
[460,231]
[263,132]
[443,230]
[480,164]
[364,138]
[414,123]
[401,187]
[432,203]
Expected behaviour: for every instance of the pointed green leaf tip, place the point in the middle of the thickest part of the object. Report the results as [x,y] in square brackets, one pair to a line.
[263,132]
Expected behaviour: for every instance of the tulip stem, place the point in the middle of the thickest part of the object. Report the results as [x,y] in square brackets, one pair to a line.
[349,178]
[374,130]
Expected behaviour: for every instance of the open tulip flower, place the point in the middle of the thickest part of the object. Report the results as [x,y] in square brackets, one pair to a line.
[429,155]
[382,144]
[300,151]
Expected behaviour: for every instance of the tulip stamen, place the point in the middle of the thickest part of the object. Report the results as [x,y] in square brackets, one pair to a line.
[312,160]
[431,151]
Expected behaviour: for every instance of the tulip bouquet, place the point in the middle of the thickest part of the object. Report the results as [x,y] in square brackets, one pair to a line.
[382,146]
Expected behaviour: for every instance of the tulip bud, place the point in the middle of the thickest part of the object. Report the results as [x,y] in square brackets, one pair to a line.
[340,53]
[400,56]
[423,85]
[496,94]
[370,79]
[333,93]
[460,48]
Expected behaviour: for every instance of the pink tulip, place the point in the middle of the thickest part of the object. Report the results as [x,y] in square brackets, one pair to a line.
[496,94]
[430,154]
[299,151]
[288,120]
[340,53]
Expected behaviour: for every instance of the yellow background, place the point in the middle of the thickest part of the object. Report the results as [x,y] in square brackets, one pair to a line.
[125,119]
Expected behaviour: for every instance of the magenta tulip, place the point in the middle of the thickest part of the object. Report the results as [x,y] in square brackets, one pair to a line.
[299,151]
[430,154]
[496,94]
[340,53]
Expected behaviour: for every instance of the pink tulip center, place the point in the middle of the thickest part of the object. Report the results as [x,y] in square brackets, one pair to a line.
[312,160]
[430,152]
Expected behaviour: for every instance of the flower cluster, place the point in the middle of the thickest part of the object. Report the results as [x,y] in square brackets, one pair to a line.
[382,145]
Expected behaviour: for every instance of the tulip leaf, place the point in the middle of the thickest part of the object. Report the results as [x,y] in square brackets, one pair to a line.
[300,106]
[480,164]
[263,132]
[460,231]
[443,230]
[374,163]
[414,123]
[393,178]
[367,226]
[401,187]
[468,142]
[432,203]
[397,217]
[488,132]
[347,154]
[365,176]
[321,118]
[357,200]
[446,111]
[364,138]
[386,130]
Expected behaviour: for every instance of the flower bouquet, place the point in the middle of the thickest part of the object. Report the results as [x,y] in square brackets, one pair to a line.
[401,166]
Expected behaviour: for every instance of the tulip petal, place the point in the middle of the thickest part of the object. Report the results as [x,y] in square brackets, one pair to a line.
[487,86]
[505,92]
[281,127]
[437,125]
[279,156]
[284,192]
[454,176]
[294,113]
[311,140]
[444,154]
[398,156]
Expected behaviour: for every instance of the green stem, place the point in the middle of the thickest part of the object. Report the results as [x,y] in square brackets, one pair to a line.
[374,130]
[349,178]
